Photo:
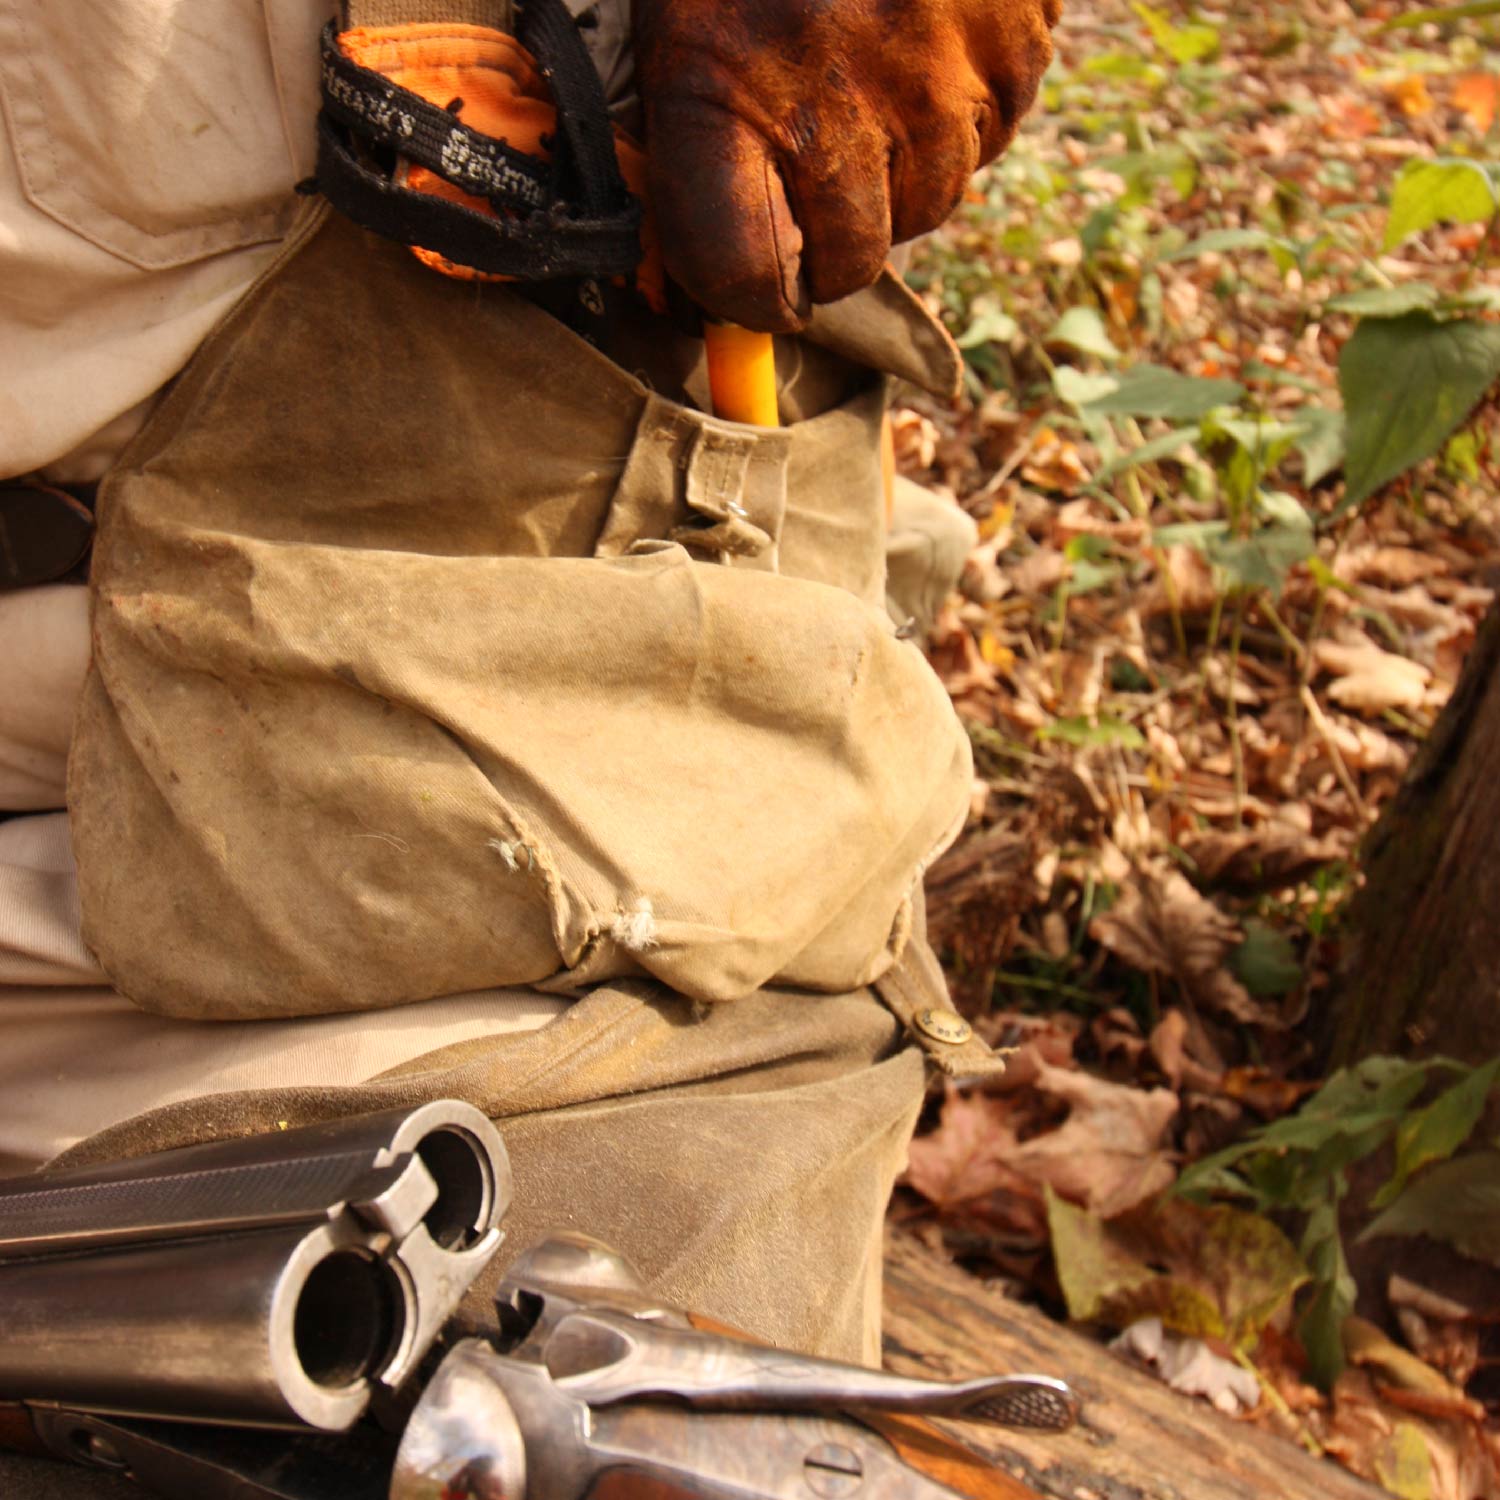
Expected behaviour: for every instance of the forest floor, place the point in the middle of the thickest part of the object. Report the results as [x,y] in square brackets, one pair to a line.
[1198,644]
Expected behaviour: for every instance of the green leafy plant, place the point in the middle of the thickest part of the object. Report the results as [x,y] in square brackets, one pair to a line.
[1418,362]
[1469,10]
[1427,193]
[1183,44]
[1206,1272]
[1299,1166]
[1408,383]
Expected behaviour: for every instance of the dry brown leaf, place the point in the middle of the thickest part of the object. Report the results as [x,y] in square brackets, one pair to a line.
[982,579]
[1170,1047]
[1475,96]
[1117,1035]
[1030,1043]
[1398,1369]
[1185,584]
[1381,1441]
[1039,573]
[1162,925]
[1365,747]
[1085,517]
[1449,651]
[1108,1154]
[1056,938]
[1395,567]
[1265,1093]
[1065,252]
[957,658]
[1453,1348]
[1072,681]
[1370,680]
[1222,683]
[1415,608]
[1412,97]
[1401,1291]
[916,440]
[1054,464]
[1123,297]
[1350,118]
[965,1158]
[1259,859]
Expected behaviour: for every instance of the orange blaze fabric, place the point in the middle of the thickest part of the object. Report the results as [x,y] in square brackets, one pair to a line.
[491,82]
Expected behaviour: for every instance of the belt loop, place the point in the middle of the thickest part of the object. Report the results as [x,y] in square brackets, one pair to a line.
[716,487]
[710,486]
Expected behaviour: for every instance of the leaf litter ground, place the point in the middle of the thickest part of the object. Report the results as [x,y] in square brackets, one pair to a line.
[1198,642]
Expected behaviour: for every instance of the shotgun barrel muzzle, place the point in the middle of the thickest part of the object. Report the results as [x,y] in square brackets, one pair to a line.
[278,1280]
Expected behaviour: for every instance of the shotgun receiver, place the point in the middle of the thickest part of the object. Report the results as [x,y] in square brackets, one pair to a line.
[261,1320]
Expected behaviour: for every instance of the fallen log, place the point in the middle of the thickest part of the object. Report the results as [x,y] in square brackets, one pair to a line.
[1137,1440]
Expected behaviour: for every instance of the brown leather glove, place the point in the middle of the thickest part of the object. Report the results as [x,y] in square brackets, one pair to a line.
[791,142]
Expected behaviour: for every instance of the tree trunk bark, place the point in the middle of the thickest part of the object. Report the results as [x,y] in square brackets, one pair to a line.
[1422,967]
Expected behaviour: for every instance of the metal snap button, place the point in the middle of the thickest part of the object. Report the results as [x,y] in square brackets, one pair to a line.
[943,1026]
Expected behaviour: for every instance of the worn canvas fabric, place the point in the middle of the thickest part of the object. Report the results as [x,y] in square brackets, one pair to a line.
[742,1152]
[434,652]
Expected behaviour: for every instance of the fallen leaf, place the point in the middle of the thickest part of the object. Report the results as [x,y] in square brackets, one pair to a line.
[1353,119]
[1065,252]
[1109,1154]
[1084,517]
[1261,858]
[1269,1096]
[1379,1440]
[1184,583]
[1190,1366]
[1054,464]
[1169,1046]
[1039,573]
[1205,1272]
[1412,96]
[1402,1292]
[1475,96]
[1451,1346]
[964,1159]
[1391,1365]
[1403,1465]
[1030,1043]
[1370,680]
[1393,566]
[1117,1035]
[1162,925]
[915,438]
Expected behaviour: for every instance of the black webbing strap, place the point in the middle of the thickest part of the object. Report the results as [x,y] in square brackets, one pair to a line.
[385,114]
[575,218]
[539,247]
[588,168]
